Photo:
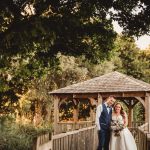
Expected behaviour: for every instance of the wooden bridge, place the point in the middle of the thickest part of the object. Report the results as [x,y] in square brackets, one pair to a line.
[83,135]
[86,139]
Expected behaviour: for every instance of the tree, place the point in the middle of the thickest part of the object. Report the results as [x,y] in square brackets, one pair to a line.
[127,58]
[70,27]
[132,15]
[32,33]
[52,27]
[130,59]
[127,51]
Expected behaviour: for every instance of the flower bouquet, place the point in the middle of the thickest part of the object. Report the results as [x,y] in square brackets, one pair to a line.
[116,127]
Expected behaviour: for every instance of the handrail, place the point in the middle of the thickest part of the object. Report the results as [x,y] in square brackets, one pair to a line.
[143,136]
[85,138]
[71,126]
[143,127]
[57,136]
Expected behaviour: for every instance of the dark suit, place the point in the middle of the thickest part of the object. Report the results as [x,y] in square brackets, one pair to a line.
[104,132]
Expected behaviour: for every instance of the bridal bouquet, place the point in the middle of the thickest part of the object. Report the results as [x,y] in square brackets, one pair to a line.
[116,127]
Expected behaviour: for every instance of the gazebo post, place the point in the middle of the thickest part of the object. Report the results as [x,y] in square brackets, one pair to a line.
[92,113]
[147,111]
[75,110]
[130,117]
[56,113]
[99,98]
[91,110]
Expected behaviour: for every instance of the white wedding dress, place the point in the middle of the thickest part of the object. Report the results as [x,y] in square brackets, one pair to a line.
[123,142]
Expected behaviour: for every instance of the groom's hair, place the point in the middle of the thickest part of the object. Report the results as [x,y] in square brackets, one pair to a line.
[110,96]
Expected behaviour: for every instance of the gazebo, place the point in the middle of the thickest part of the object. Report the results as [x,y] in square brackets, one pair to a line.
[121,86]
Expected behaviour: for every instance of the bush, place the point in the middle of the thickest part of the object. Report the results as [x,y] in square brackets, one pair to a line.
[19,137]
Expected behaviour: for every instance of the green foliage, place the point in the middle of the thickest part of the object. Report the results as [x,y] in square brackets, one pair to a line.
[77,69]
[34,33]
[19,136]
[130,60]
[127,58]
[52,27]
[132,15]
[139,113]
[84,110]
[66,110]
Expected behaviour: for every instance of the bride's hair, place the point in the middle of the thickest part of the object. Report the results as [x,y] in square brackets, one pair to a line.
[122,112]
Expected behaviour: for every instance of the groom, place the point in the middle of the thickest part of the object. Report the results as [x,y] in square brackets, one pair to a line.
[103,119]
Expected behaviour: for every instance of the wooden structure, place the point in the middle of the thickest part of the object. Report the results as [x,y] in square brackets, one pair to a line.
[125,88]
[82,139]
[86,139]
[82,135]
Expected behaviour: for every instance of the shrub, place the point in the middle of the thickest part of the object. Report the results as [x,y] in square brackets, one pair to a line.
[18,136]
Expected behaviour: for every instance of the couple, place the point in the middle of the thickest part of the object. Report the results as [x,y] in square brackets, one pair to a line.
[112,127]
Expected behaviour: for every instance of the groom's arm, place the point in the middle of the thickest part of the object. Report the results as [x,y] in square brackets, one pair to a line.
[98,113]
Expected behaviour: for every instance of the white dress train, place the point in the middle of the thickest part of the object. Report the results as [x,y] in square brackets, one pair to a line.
[123,142]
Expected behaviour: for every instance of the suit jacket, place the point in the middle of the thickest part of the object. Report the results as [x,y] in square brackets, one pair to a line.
[103,116]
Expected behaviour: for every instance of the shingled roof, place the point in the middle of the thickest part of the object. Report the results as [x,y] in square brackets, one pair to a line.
[111,82]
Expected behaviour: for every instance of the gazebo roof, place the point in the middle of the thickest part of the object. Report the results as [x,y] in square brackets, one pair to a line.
[111,82]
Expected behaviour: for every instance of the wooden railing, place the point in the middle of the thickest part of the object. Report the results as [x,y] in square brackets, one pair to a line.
[82,139]
[137,124]
[63,127]
[143,137]
[43,142]
[86,139]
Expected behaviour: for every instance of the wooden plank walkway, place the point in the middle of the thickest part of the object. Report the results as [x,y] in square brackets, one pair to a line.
[85,139]
[81,139]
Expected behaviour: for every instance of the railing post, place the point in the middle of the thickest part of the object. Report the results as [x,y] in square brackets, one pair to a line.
[56,114]
[148,141]
[147,110]
[34,147]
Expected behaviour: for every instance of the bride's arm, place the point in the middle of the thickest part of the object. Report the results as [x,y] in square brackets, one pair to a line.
[125,119]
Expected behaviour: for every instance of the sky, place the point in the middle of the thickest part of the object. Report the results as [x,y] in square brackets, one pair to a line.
[142,42]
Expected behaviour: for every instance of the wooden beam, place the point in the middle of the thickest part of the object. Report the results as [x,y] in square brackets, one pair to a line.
[134,103]
[92,113]
[130,116]
[147,111]
[61,101]
[85,95]
[103,94]
[56,113]
[141,100]
[99,98]
[92,101]
[125,103]
[134,94]
[75,110]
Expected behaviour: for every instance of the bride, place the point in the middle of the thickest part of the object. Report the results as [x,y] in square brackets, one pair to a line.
[121,137]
